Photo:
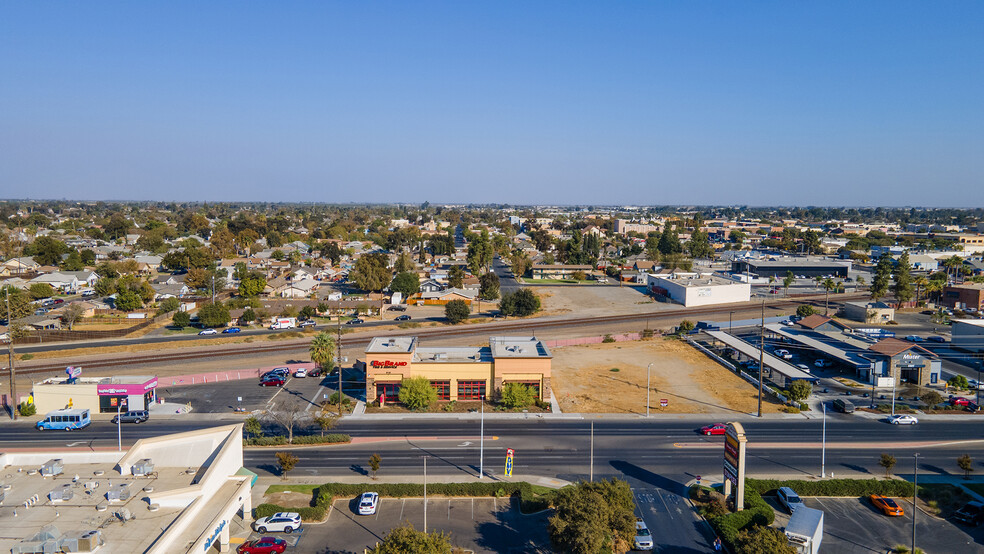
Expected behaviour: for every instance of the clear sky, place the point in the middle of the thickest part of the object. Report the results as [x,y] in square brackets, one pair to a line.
[630,102]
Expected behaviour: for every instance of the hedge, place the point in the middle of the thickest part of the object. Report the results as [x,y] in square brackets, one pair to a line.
[835,487]
[324,495]
[757,512]
[280,440]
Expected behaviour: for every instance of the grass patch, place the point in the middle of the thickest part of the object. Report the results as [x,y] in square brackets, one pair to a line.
[26,356]
[976,487]
[273,489]
[280,440]
[614,370]
[408,325]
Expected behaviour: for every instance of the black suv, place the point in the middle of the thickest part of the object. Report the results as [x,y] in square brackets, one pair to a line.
[136,416]
[971,514]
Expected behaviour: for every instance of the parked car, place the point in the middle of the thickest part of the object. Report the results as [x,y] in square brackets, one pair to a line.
[403,317]
[789,499]
[58,301]
[972,513]
[282,371]
[265,545]
[300,373]
[355,321]
[208,332]
[643,538]
[903,419]
[887,506]
[272,381]
[135,416]
[936,338]
[959,401]
[40,311]
[230,330]
[88,293]
[914,338]
[784,354]
[822,363]
[287,522]
[715,429]
[368,503]
[307,323]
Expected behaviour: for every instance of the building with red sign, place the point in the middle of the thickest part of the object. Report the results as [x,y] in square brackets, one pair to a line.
[458,373]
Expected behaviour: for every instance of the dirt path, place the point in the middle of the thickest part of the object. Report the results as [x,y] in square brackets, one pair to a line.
[585,380]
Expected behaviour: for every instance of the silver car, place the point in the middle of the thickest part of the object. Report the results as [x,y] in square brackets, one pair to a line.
[643,538]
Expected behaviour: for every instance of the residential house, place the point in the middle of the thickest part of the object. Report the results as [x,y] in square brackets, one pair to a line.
[557,271]
[19,266]
[445,296]
[431,285]
[299,289]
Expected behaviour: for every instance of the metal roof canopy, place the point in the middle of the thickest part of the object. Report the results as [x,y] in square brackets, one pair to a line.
[777,364]
[850,358]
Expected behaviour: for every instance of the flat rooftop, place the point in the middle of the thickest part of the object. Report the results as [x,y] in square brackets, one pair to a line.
[392,345]
[453,355]
[518,347]
[701,281]
[793,262]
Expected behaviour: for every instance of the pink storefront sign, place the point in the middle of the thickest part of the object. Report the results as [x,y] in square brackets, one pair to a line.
[110,389]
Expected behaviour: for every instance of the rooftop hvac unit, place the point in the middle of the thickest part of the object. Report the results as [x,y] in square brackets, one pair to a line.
[42,542]
[53,467]
[118,492]
[61,493]
[81,541]
[143,467]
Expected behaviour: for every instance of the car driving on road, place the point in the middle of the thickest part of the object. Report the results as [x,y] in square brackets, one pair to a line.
[355,321]
[715,429]
[643,538]
[231,330]
[903,419]
[208,332]
[403,317]
[135,416]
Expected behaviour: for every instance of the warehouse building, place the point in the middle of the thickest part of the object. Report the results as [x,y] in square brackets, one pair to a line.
[699,290]
[798,266]
[458,373]
[968,334]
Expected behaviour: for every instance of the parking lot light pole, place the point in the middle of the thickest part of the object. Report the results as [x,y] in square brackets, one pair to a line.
[481,443]
[915,494]
[823,447]
[425,494]
[648,387]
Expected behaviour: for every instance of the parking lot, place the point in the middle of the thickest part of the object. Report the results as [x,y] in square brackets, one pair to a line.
[853,525]
[478,524]
[223,397]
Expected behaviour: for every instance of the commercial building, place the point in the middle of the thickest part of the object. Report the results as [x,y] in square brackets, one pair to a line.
[558,271]
[798,266]
[625,226]
[968,334]
[904,362]
[186,492]
[97,394]
[869,312]
[967,295]
[458,373]
[699,290]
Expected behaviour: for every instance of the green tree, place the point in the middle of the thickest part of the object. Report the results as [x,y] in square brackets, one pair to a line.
[521,303]
[371,272]
[787,282]
[406,283]
[19,301]
[117,227]
[46,250]
[685,327]
[966,463]
[958,382]
[127,301]
[883,271]
[520,264]
[828,285]
[322,350]
[489,286]
[307,312]
[456,277]
[887,461]
[404,539]
[800,390]
[652,246]
[931,398]
[287,461]
[903,279]
[248,316]
[214,315]
[252,427]
[41,290]
[669,241]
[252,285]
[480,253]
[518,395]
[181,320]
[404,263]
[456,311]
[593,517]
[73,262]
[699,245]
[71,314]
[417,393]
[374,462]
[325,421]
[761,539]
[805,310]
[169,305]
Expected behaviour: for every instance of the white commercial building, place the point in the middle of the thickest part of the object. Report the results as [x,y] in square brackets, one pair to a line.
[175,493]
[699,290]
[968,334]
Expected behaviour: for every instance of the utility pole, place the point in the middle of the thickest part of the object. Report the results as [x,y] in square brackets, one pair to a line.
[915,494]
[648,387]
[338,360]
[591,464]
[10,354]
[481,443]
[823,449]
[761,357]
[213,287]
[425,494]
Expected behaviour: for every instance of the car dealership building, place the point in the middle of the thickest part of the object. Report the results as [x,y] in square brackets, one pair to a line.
[458,373]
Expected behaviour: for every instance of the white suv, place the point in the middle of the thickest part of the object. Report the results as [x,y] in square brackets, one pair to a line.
[643,538]
[280,521]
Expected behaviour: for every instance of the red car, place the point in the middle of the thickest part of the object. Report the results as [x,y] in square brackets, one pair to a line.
[958,401]
[716,429]
[272,381]
[266,545]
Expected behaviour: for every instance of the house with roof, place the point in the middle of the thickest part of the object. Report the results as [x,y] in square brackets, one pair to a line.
[299,288]
[67,281]
[431,285]
[445,296]
[19,266]
[869,312]
[821,323]
[168,290]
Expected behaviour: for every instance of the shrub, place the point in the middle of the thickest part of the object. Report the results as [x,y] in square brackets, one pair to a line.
[805,310]
[280,440]
[685,327]
[518,395]
[756,512]
[181,320]
[456,311]
[169,305]
[417,393]
[835,487]
[26,409]
[958,382]
[608,338]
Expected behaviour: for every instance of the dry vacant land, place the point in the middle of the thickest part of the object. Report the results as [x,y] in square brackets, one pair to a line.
[584,380]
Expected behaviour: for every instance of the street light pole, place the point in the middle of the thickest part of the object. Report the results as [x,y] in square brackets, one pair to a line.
[425,494]
[591,464]
[893,397]
[648,387]
[823,449]
[761,357]
[10,354]
[729,321]
[915,494]
[481,443]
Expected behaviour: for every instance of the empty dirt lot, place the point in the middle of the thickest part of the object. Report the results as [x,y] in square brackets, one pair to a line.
[584,380]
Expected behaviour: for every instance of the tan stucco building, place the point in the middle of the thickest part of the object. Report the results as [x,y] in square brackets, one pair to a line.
[458,373]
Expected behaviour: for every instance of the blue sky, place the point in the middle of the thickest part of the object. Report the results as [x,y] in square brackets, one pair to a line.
[637,102]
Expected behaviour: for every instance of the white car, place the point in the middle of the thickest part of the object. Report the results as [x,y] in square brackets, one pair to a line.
[286,522]
[903,420]
[368,503]
[643,538]
[208,332]
[784,354]
[300,373]
[821,362]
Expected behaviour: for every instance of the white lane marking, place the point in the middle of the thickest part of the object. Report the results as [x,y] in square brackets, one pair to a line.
[664,503]
[314,401]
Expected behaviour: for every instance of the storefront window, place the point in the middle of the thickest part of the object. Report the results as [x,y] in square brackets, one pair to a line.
[471,390]
[535,385]
[389,391]
[443,389]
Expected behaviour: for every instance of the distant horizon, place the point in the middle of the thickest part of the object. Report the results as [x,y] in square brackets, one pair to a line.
[651,103]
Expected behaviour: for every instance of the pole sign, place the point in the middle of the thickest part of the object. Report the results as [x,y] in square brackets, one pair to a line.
[734,463]
[73,371]
[664,402]
[509,461]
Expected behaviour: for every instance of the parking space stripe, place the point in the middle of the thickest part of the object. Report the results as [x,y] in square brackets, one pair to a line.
[402,506]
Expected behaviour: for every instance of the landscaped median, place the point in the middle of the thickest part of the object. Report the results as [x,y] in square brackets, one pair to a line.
[299,440]
[532,498]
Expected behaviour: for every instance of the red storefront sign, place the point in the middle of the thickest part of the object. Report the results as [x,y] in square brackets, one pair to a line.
[386,363]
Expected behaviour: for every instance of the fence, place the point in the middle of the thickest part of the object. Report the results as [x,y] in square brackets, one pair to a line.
[61,335]
[223,376]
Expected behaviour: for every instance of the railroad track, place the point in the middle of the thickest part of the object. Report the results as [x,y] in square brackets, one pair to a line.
[499,328]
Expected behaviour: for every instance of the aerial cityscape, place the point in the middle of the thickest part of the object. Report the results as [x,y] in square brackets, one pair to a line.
[324,277]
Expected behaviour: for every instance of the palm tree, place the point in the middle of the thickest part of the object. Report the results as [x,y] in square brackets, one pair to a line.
[772,279]
[787,281]
[920,283]
[860,282]
[828,285]
[323,350]
[951,264]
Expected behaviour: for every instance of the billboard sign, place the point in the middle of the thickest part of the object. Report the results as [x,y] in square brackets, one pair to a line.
[734,463]
[73,371]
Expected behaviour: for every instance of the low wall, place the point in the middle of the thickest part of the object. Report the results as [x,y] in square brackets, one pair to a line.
[592,340]
[219,376]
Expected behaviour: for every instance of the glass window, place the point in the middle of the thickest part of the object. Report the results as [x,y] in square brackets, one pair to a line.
[389,391]
[471,390]
[443,389]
